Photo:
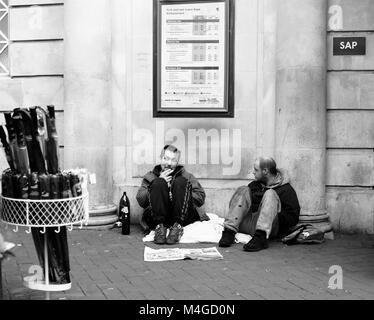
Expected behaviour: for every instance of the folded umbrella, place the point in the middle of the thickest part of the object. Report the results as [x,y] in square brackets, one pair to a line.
[44,192]
[59,254]
[63,246]
[24,166]
[21,150]
[76,187]
[42,136]
[7,186]
[34,187]
[12,138]
[8,152]
[52,142]
[29,139]
[37,148]
[59,248]
[45,187]
[8,179]
[66,186]
[23,185]
[58,243]
[21,182]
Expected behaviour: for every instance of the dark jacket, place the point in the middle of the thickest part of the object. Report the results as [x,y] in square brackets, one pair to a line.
[198,193]
[289,215]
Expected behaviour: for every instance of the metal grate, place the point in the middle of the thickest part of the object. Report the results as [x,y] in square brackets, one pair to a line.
[4,38]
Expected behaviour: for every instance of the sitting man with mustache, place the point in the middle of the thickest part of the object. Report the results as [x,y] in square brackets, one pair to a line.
[172,198]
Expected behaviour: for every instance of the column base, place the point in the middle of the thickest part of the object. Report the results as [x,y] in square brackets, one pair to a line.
[321,221]
[102,218]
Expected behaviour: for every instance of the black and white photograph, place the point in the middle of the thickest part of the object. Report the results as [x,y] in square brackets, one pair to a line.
[186,157]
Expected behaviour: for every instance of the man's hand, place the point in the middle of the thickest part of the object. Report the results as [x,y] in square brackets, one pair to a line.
[166,175]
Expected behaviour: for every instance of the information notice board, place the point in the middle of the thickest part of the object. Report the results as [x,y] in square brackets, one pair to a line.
[193,58]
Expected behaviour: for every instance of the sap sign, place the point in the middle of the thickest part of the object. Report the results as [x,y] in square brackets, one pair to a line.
[349,46]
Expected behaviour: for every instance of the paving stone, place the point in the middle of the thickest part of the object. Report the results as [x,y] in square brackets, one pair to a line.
[105,265]
[113,294]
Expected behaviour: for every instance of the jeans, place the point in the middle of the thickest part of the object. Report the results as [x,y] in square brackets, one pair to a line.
[170,206]
[242,219]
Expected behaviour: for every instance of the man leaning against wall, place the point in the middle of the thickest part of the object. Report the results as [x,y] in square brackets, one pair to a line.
[265,209]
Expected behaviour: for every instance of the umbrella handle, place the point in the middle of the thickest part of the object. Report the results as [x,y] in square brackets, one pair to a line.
[81,226]
[44,231]
[71,228]
[16,229]
[28,231]
[58,230]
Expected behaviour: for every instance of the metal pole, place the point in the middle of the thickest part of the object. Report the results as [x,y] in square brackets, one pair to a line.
[1,280]
[46,266]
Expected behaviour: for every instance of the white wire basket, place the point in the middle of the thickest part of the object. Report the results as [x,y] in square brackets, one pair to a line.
[44,213]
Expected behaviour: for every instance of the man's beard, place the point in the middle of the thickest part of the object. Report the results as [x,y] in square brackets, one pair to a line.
[166,167]
[263,180]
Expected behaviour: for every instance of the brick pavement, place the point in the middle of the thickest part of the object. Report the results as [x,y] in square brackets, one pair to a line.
[107,265]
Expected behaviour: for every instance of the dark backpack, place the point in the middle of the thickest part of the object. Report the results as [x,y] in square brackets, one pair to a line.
[304,234]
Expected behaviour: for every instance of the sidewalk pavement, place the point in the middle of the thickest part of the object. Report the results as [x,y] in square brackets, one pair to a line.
[107,265]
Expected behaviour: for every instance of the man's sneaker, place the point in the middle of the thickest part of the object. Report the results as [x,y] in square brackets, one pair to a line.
[258,242]
[227,239]
[175,234]
[160,234]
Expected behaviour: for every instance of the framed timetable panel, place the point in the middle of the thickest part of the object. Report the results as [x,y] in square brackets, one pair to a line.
[193,56]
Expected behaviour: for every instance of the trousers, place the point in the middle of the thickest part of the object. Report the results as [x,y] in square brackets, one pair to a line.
[241,218]
[170,205]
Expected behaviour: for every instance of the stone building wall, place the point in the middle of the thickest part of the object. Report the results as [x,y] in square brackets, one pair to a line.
[350,104]
[102,80]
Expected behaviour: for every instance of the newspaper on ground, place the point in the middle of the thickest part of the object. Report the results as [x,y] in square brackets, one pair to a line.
[158,255]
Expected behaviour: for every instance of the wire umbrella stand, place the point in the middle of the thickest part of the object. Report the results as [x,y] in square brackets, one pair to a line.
[43,214]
